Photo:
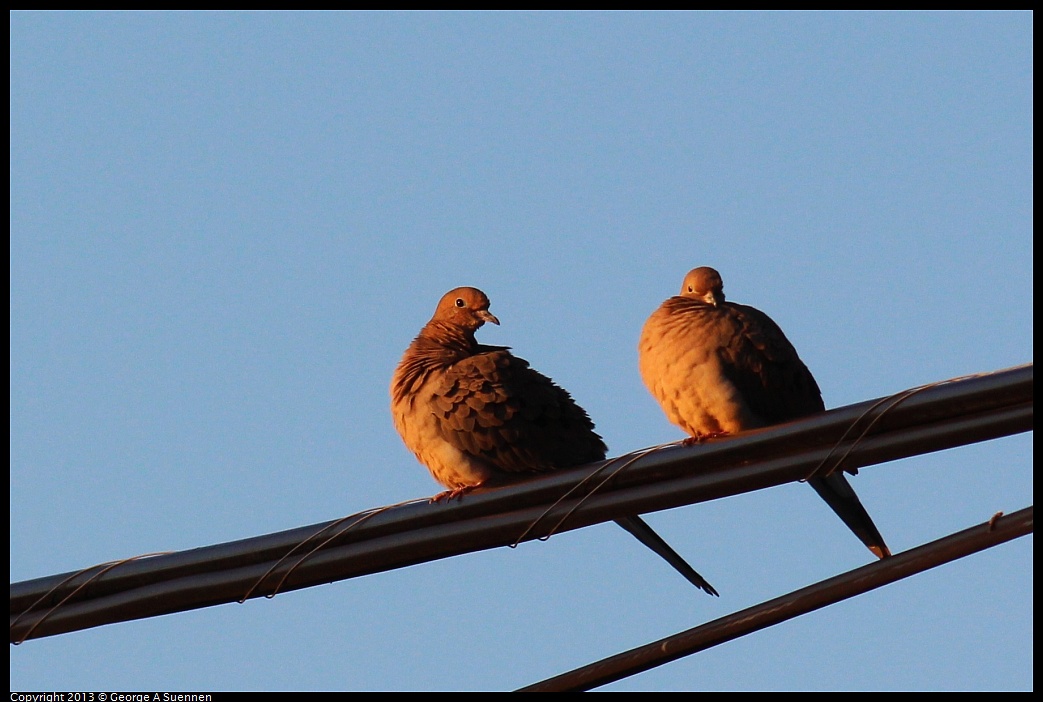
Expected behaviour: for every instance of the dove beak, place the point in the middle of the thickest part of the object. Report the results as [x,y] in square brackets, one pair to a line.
[487,316]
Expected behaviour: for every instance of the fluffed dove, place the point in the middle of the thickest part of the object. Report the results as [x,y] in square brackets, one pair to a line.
[719,367]
[476,414]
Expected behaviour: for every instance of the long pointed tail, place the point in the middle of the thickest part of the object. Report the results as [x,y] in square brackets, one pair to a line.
[840,496]
[644,533]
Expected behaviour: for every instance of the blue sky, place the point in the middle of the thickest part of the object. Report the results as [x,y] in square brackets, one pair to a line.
[226,228]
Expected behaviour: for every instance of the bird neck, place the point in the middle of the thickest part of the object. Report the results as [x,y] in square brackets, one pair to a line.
[437,347]
[451,339]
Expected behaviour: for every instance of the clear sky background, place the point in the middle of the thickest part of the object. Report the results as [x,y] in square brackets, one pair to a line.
[226,228]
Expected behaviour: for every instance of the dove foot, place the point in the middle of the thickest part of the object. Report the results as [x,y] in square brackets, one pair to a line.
[700,438]
[455,493]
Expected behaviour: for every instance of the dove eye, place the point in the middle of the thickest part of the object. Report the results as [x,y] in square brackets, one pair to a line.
[460,302]
[691,289]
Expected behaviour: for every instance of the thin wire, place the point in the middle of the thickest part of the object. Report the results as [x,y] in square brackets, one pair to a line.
[362,516]
[105,568]
[896,399]
[632,456]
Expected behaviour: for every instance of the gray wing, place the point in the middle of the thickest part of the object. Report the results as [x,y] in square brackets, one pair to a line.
[779,387]
[494,406]
[766,369]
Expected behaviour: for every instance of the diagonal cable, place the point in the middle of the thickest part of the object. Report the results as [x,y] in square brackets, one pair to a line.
[939,417]
[997,530]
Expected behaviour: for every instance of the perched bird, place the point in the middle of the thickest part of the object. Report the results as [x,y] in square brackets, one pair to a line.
[477,415]
[719,367]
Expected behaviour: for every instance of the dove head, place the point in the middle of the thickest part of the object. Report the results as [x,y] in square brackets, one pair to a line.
[704,284]
[467,308]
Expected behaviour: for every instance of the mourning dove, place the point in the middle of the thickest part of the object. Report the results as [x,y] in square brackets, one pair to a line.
[719,368]
[478,415]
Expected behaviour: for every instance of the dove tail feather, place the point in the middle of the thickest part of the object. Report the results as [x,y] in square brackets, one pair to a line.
[644,533]
[841,497]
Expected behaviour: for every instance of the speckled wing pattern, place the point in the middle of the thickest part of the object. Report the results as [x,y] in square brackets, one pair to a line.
[763,364]
[494,406]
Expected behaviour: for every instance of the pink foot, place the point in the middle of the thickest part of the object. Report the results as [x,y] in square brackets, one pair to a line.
[449,495]
[700,438]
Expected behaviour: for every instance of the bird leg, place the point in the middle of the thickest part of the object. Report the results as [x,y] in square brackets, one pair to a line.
[453,494]
[701,437]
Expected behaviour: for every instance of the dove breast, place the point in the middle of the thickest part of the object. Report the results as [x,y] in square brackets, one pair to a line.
[419,422]
[686,366]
